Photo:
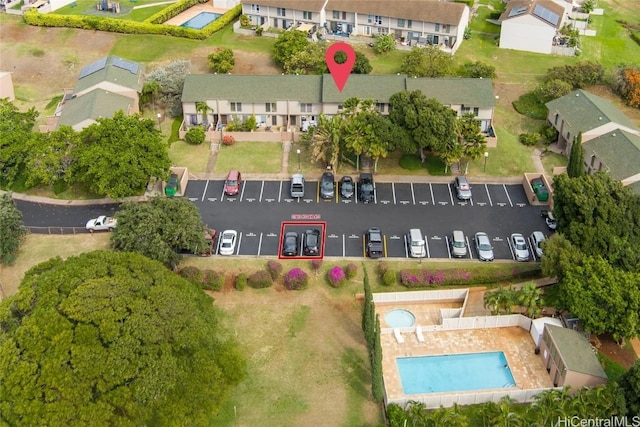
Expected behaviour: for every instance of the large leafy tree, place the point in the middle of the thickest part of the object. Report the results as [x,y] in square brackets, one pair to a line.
[600,217]
[15,137]
[170,81]
[11,229]
[576,158]
[112,339]
[116,156]
[221,61]
[606,299]
[472,142]
[288,44]
[159,229]
[629,384]
[430,61]
[430,125]
[52,156]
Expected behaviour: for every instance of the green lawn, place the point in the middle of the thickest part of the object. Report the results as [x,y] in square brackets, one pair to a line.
[127,11]
[250,157]
[480,23]
[552,160]
[193,157]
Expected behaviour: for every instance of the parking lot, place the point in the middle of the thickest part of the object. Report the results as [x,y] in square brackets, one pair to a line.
[261,207]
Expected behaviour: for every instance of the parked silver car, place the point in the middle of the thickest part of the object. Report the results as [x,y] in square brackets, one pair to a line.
[519,246]
[483,246]
[537,239]
[463,189]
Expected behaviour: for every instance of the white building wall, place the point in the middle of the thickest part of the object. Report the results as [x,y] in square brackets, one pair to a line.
[527,33]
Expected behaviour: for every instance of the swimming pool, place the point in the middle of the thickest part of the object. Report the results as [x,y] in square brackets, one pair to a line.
[400,318]
[455,372]
[201,20]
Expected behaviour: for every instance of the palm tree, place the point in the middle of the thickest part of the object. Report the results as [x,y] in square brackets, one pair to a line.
[506,416]
[203,108]
[326,140]
[491,300]
[506,299]
[488,411]
[150,90]
[544,409]
[529,297]
[417,413]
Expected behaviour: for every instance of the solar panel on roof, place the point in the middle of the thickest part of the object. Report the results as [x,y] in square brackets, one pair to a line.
[544,13]
[93,67]
[126,65]
[517,11]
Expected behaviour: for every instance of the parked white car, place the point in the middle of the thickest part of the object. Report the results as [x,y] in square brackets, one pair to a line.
[520,248]
[228,242]
[537,238]
[102,223]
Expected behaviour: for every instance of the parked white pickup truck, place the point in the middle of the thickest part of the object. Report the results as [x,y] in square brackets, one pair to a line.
[101,223]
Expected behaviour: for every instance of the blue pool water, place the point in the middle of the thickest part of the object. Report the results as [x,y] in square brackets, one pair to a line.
[201,20]
[400,318]
[455,372]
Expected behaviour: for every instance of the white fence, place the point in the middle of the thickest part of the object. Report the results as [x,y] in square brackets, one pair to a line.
[461,323]
[470,398]
[421,296]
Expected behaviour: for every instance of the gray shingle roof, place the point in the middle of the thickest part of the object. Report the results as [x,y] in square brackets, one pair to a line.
[92,105]
[442,12]
[317,89]
[453,91]
[264,88]
[576,351]
[619,150]
[583,111]
[308,5]
[113,74]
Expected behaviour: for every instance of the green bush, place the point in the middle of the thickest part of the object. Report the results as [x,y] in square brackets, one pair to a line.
[411,162]
[529,139]
[241,281]
[389,278]
[213,280]
[420,278]
[260,279]
[548,134]
[192,274]
[195,135]
[383,266]
[250,124]
[350,271]
[531,106]
[274,268]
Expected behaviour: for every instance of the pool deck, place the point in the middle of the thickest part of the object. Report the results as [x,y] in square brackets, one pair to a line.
[527,368]
[193,11]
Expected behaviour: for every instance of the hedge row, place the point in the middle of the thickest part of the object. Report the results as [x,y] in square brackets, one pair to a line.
[172,11]
[33,17]
[418,278]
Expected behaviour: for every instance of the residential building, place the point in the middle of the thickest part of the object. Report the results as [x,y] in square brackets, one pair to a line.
[6,86]
[569,359]
[412,22]
[532,25]
[611,140]
[289,101]
[104,87]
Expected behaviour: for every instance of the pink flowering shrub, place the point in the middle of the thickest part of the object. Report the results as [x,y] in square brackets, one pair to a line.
[417,278]
[296,279]
[228,140]
[274,268]
[350,271]
[336,276]
[316,264]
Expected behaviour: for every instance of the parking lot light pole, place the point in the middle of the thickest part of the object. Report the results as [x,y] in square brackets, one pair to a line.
[486,156]
[298,152]
[159,118]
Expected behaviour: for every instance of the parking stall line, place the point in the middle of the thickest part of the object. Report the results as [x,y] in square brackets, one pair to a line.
[507,193]
[513,255]
[244,184]
[393,191]
[259,244]
[280,192]
[469,247]
[261,190]
[446,239]
[375,195]
[222,194]
[471,201]
[533,253]
[488,195]
[413,195]
[239,242]
[205,191]
[450,194]
[426,244]
[217,250]
[433,200]
[344,246]
[406,245]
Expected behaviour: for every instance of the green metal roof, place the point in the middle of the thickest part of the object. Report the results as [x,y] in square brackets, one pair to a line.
[318,89]
[363,86]
[583,111]
[575,351]
[619,150]
[93,105]
[263,88]
[113,69]
[456,91]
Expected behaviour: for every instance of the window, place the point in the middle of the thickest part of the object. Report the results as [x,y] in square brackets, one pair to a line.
[336,14]
[380,107]
[476,110]
[568,136]
[446,28]
[465,110]
[282,11]
[236,106]
[305,108]
[369,19]
[382,30]
[409,23]
[555,119]
[307,15]
[344,15]
[378,20]
[270,107]
[437,27]
[593,160]
[402,23]
[255,8]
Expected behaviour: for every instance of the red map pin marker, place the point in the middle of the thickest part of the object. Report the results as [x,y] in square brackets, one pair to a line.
[340,72]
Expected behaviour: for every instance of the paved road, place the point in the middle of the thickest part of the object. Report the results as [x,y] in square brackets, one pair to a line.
[261,208]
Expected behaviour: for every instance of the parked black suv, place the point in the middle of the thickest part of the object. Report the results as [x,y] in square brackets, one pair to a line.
[374,247]
[290,244]
[311,242]
[366,188]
